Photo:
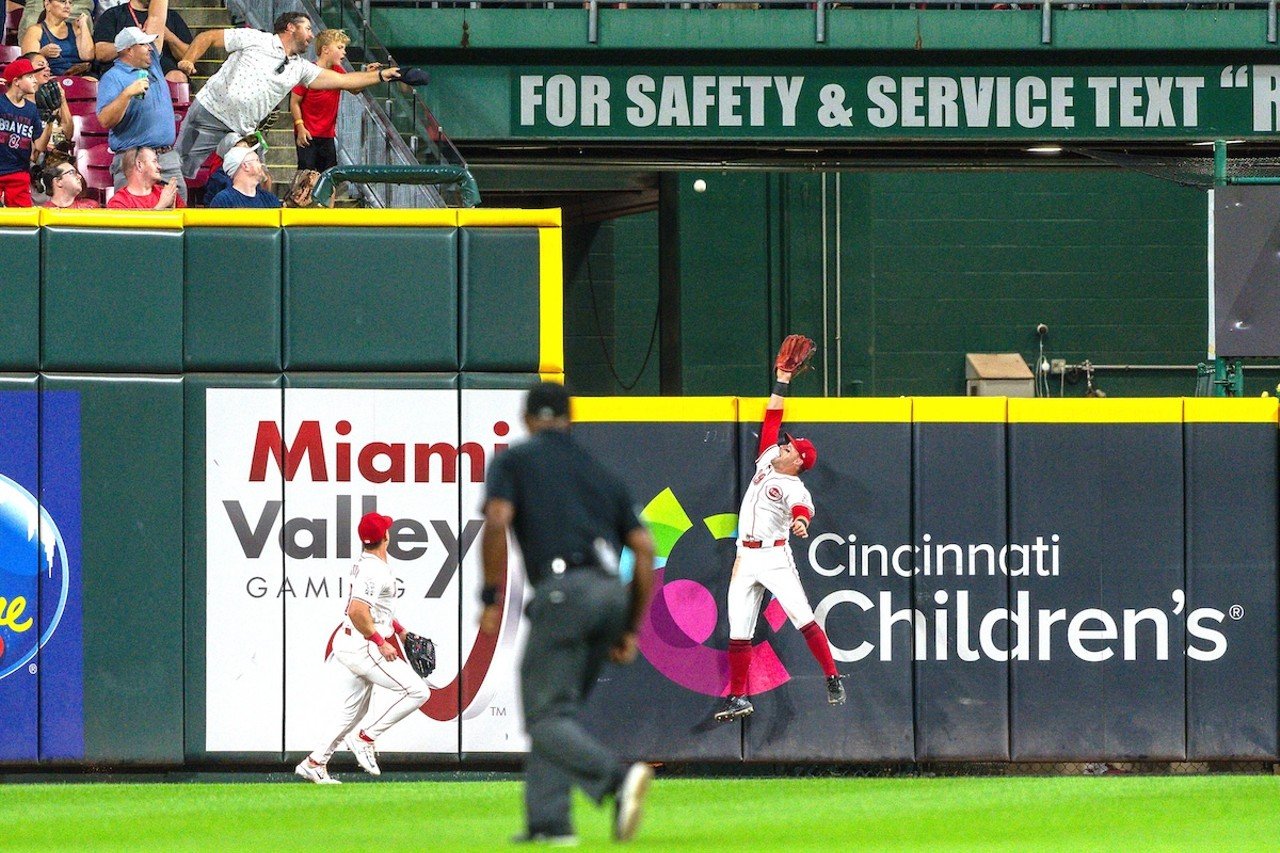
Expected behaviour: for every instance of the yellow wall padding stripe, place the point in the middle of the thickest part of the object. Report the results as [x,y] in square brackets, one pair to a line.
[959,410]
[230,217]
[550,301]
[353,217]
[1230,410]
[1110,410]
[832,410]
[656,409]
[134,220]
[482,216]
[557,378]
[19,217]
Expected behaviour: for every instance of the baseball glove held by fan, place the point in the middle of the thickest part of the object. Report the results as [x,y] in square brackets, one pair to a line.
[795,354]
[420,652]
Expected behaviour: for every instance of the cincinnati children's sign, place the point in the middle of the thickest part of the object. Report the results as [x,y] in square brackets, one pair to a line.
[287,476]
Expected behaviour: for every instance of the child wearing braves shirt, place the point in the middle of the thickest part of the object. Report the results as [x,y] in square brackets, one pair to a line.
[22,134]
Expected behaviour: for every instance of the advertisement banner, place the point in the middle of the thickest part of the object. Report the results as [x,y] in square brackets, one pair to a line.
[41,652]
[999,102]
[1098,594]
[337,453]
[679,459]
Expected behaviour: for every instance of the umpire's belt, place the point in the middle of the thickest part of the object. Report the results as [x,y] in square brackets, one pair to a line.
[575,563]
[756,543]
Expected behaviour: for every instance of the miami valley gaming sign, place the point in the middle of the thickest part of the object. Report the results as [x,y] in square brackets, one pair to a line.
[833,104]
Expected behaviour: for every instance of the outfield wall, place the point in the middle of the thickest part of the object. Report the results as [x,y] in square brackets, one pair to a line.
[175,534]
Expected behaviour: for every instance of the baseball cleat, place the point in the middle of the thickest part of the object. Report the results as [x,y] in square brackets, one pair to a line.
[835,690]
[629,801]
[317,773]
[734,708]
[363,751]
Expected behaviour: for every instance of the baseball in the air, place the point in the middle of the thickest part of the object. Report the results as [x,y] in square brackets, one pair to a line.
[699,186]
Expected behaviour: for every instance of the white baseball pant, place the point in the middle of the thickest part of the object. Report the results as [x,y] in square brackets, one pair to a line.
[363,668]
[756,570]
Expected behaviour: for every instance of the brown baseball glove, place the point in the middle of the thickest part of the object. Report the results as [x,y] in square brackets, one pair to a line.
[796,354]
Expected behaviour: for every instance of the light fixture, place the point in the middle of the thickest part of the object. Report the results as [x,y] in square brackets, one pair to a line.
[1045,149]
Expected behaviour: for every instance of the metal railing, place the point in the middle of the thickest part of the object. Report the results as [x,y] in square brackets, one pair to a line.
[821,8]
[388,124]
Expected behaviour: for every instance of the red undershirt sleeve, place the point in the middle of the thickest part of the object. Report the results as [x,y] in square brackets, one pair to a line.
[769,429]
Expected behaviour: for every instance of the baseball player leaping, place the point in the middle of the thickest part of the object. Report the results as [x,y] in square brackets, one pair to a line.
[360,643]
[776,505]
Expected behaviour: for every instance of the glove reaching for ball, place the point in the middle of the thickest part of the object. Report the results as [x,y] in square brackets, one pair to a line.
[420,652]
[796,354]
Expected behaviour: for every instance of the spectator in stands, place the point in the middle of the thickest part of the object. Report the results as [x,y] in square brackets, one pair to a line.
[23,136]
[134,102]
[143,189]
[260,70]
[65,41]
[315,113]
[177,36]
[33,9]
[54,110]
[64,185]
[244,167]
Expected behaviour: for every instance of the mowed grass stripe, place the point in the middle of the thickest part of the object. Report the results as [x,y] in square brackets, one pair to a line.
[1108,813]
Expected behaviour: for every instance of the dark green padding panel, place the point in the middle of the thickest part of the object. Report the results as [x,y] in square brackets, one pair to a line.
[233,299]
[131,499]
[20,296]
[195,558]
[112,300]
[371,299]
[500,299]
[499,381]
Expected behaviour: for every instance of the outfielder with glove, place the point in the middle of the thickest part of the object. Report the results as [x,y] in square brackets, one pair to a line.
[776,505]
[362,645]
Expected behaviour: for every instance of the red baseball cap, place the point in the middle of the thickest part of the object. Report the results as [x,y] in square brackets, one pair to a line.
[18,68]
[808,453]
[373,528]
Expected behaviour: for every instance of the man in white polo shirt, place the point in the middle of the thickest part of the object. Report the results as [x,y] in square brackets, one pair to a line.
[259,72]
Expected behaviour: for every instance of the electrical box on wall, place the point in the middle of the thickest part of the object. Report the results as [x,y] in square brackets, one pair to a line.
[1003,374]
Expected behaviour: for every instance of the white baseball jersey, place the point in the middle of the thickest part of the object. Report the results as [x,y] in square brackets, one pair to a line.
[373,583]
[765,514]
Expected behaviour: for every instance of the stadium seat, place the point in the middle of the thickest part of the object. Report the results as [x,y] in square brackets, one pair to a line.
[8,53]
[79,89]
[11,21]
[180,93]
[87,131]
[83,108]
[95,165]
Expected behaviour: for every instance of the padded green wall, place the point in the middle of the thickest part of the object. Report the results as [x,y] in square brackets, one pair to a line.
[20,296]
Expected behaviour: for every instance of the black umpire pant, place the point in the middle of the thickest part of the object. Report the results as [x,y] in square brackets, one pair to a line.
[574,619]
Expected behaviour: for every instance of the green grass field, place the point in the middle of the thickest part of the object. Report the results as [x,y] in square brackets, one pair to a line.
[1109,813]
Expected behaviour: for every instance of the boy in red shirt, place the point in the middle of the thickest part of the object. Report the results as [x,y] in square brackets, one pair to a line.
[315,112]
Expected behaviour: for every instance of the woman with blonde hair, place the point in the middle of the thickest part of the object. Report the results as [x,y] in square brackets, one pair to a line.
[66,42]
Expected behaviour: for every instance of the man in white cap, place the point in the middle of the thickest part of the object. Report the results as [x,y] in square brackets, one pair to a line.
[244,167]
[134,102]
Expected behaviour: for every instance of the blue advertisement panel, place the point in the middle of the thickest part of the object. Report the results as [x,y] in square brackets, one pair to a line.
[19,571]
[61,660]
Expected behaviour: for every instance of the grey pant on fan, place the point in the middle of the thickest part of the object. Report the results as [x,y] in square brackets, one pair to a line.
[199,137]
[574,619]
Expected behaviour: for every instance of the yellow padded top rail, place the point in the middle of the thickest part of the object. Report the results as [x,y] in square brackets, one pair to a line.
[19,217]
[832,409]
[351,217]
[1198,410]
[140,220]
[655,409]
[480,216]
[959,410]
[1110,410]
[226,217]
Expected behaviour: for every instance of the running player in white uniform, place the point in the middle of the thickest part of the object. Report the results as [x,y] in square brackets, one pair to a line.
[776,505]
[361,644]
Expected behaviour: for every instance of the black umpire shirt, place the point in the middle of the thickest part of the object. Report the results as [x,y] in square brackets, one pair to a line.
[564,502]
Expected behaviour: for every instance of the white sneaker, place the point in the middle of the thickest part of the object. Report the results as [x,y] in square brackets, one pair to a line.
[317,773]
[363,751]
[629,801]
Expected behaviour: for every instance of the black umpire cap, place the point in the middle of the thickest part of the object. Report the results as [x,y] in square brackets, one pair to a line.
[547,400]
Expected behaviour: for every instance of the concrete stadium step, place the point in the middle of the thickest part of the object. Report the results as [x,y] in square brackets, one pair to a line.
[203,18]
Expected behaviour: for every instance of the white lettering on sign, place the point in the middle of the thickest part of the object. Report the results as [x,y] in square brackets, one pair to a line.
[1133,101]
[970,102]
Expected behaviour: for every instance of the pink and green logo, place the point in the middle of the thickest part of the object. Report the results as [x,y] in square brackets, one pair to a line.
[683,614]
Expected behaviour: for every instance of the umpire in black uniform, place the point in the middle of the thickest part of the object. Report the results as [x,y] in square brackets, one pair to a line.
[571,518]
